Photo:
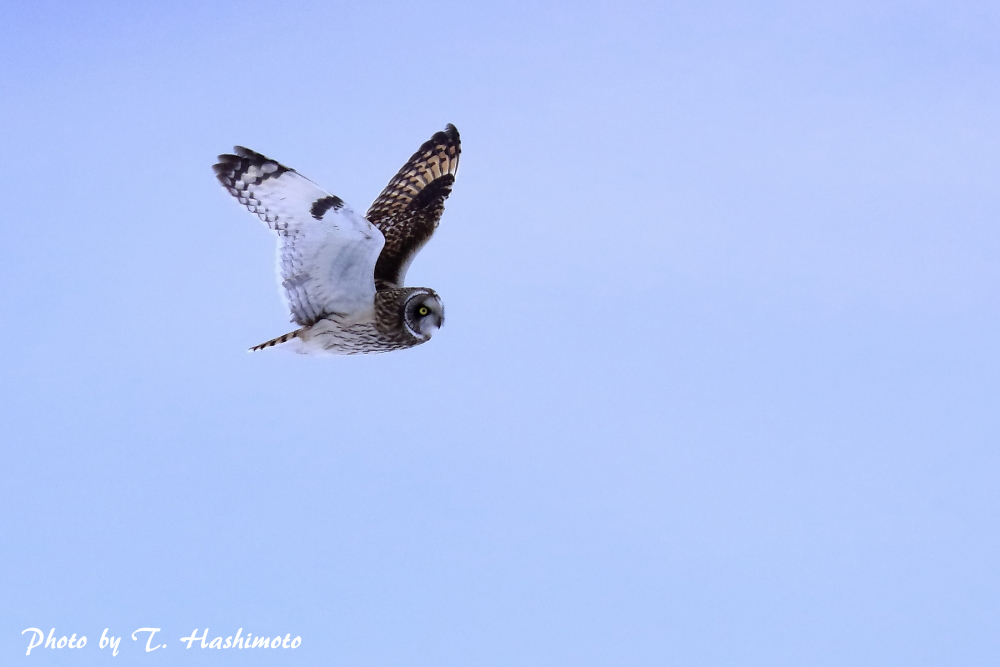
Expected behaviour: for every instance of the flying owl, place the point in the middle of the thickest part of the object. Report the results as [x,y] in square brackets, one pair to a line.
[341,273]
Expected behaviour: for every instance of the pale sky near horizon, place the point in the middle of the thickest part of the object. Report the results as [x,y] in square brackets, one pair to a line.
[718,383]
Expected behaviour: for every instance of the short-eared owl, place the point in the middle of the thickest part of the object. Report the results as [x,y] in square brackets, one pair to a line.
[342,274]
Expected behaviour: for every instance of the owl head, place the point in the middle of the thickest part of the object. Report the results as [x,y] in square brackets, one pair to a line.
[423,313]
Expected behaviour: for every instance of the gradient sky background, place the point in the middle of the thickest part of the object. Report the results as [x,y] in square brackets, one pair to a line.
[718,383]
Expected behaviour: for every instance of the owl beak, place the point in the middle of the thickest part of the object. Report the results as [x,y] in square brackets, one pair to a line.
[440,320]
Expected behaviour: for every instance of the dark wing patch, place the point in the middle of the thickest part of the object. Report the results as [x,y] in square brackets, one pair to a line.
[409,208]
[321,206]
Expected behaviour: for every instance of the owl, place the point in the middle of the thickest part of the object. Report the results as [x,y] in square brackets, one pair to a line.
[342,274]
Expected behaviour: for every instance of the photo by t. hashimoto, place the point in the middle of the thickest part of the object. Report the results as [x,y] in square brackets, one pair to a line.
[718,383]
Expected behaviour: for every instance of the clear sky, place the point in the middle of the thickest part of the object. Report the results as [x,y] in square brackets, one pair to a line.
[718,383]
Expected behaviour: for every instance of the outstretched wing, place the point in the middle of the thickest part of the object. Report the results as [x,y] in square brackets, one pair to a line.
[408,210]
[326,252]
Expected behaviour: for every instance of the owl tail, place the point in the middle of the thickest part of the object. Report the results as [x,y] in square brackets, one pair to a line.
[276,341]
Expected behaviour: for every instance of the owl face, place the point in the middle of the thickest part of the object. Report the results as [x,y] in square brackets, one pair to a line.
[423,313]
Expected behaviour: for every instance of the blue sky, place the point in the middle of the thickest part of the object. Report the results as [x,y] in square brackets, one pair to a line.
[718,383]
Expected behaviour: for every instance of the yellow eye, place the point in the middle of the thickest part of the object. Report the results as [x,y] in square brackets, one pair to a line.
[423,310]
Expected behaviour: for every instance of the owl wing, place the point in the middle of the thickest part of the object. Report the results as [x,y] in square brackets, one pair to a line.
[408,210]
[326,252]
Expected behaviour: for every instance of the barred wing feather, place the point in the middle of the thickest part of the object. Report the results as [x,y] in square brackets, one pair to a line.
[409,208]
[326,252]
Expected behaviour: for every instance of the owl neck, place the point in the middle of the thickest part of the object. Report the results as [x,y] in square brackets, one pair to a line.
[390,312]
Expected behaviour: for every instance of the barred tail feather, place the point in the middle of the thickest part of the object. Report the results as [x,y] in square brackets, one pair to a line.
[276,341]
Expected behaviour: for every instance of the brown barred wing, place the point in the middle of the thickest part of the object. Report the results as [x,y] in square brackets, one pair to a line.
[409,209]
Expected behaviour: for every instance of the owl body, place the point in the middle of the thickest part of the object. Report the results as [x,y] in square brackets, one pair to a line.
[342,274]
[395,324]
